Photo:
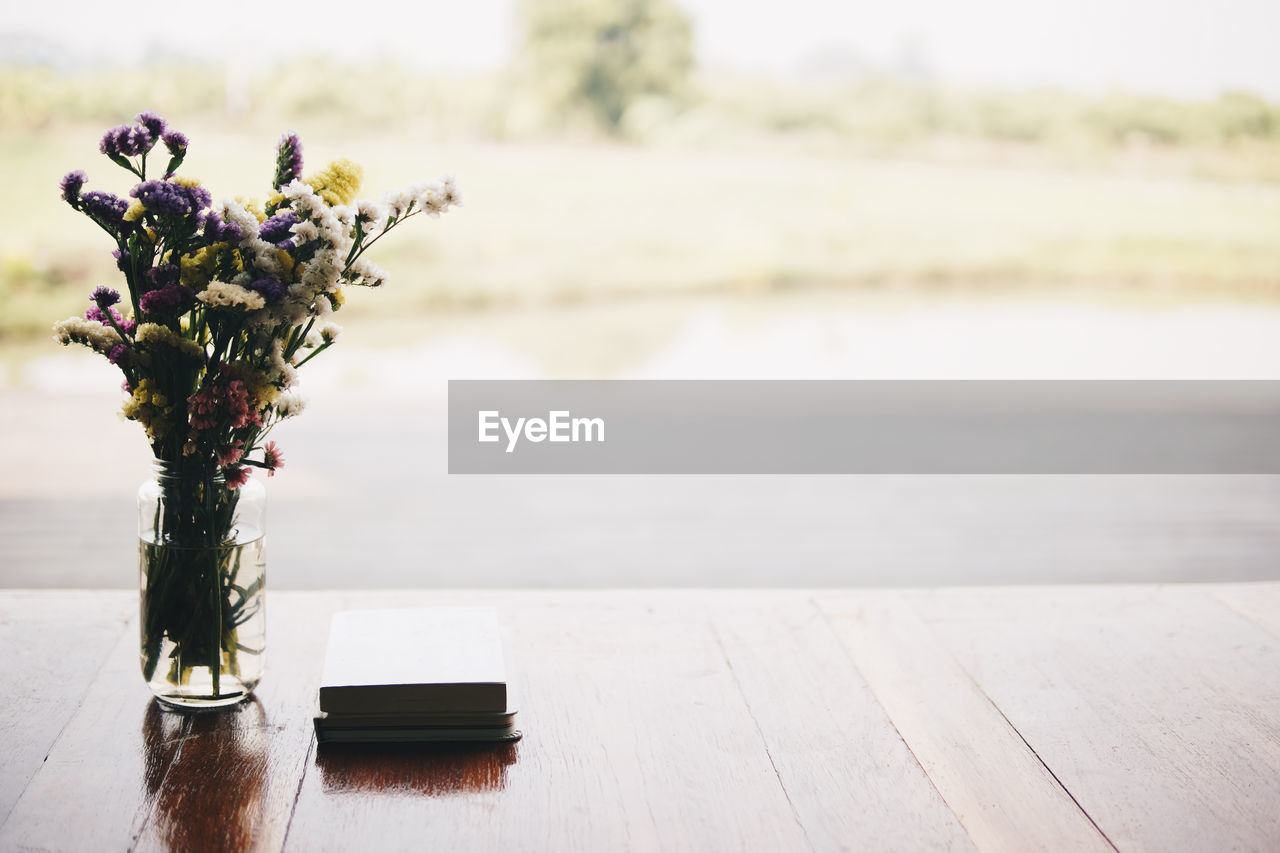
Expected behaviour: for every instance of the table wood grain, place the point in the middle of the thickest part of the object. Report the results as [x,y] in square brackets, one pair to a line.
[1051,718]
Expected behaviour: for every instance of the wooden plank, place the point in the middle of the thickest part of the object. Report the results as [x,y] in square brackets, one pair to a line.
[233,783]
[1158,708]
[54,645]
[636,736]
[695,720]
[849,776]
[997,787]
[94,790]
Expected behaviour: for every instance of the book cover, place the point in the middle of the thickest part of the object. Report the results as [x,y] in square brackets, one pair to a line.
[414,661]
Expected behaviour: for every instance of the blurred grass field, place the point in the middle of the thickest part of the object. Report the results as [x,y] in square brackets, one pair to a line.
[756,229]
[783,190]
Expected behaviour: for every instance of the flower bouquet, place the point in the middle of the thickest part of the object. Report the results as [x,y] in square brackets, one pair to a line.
[224,303]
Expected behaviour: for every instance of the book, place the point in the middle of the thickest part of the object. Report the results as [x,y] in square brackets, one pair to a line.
[328,732]
[414,661]
[443,720]
[415,675]
[396,728]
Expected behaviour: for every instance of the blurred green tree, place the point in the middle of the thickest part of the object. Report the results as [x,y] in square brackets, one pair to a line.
[600,57]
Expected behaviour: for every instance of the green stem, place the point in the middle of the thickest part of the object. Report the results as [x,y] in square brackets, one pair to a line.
[315,352]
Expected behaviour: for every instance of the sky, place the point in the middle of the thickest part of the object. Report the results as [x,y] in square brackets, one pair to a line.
[1190,48]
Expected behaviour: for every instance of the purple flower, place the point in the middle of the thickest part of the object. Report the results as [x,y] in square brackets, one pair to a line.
[172,299]
[176,142]
[104,296]
[122,259]
[126,141]
[216,230]
[171,199]
[106,208]
[153,124]
[98,315]
[276,229]
[117,353]
[270,289]
[288,159]
[162,276]
[71,184]
[200,197]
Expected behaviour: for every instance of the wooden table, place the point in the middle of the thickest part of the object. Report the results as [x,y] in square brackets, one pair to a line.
[1054,718]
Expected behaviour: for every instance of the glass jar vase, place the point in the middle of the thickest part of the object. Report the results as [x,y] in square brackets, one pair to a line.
[202,572]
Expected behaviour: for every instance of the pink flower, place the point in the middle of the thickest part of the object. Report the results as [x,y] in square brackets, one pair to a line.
[231,454]
[272,457]
[223,404]
[236,477]
[237,397]
[203,404]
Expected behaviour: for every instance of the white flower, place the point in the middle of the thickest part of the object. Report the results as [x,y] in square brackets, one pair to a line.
[305,231]
[321,272]
[302,197]
[322,307]
[398,202]
[365,272]
[262,319]
[279,369]
[313,339]
[294,311]
[336,229]
[331,332]
[431,197]
[97,336]
[266,257]
[371,215]
[234,211]
[290,404]
[227,295]
[449,191]
[428,197]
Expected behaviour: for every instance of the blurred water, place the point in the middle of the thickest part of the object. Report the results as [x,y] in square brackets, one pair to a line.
[366,469]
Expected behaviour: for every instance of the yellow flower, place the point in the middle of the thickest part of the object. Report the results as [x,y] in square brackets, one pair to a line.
[187,181]
[338,182]
[198,267]
[150,408]
[262,392]
[135,211]
[286,264]
[154,335]
[338,298]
